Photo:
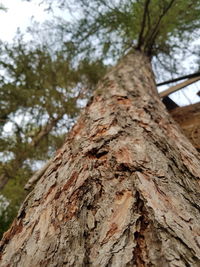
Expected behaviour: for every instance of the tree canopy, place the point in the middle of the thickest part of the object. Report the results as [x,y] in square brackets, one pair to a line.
[111,28]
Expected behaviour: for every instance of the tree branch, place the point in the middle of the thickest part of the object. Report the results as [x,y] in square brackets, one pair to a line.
[155,31]
[145,14]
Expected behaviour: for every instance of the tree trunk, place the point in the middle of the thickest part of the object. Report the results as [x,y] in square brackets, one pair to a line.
[122,191]
[189,120]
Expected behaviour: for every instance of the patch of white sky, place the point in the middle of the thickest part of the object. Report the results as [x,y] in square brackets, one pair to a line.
[20,13]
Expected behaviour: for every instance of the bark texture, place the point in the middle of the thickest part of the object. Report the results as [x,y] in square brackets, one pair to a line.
[122,191]
[189,120]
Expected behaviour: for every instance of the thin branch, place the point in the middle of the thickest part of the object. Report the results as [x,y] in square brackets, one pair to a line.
[145,14]
[196,74]
[155,31]
[45,130]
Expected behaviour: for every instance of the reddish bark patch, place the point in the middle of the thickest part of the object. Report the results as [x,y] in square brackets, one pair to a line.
[71,209]
[124,155]
[71,180]
[113,229]
[124,101]
[57,195]
[101,129]
[50,190]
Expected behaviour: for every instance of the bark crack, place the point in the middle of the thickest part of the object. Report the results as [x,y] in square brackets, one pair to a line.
[140,253]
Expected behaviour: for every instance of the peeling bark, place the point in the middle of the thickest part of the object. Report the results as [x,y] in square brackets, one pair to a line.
[122,191]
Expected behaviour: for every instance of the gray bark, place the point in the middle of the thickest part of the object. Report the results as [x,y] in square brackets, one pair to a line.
[122,191]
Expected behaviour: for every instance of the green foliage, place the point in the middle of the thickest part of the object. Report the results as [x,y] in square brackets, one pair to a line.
[108,29]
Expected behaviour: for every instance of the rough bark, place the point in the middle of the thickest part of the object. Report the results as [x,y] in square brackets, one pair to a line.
[122,191]
[189,120]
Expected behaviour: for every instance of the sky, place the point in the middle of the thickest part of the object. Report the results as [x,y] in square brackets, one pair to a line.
[19,15]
